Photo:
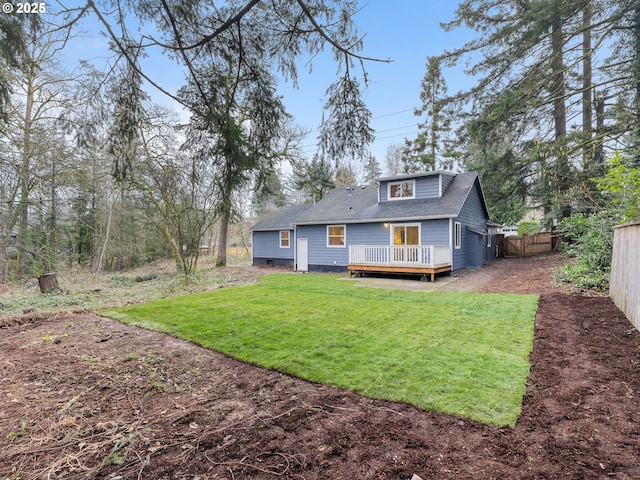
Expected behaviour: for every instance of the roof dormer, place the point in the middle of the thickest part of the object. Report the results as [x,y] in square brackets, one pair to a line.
[414,186]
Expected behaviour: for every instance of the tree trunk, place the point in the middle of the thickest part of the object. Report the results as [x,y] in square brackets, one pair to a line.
[559,110]
[48,282]
[51,223]
[587,90]
[24,179]
[3,247]
[120,259]
[636,80]
[221,259]
[98,260]
[598,156]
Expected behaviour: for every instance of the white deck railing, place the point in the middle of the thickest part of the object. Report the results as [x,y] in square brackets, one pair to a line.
[400,255]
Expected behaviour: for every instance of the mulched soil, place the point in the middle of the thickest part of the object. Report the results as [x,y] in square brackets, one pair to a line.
[87,397]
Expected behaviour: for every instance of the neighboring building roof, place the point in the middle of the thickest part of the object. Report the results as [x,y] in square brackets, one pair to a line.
[360,205]
[282,219]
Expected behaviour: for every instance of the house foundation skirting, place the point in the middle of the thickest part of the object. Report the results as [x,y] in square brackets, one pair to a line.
[327,268]
[423,271]
[276,262]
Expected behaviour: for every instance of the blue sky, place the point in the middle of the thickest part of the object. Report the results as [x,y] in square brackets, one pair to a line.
[404,31]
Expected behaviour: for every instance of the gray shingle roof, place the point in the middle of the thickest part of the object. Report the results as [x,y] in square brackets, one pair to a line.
[283,219]
[360,204]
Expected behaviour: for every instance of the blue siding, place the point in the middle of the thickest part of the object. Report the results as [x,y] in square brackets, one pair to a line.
[490,251]
[446,180]
[432,232]
[473,248]
[383,189]
[367,234]
[267,245]
[426,187]
[319,253]
[435,232]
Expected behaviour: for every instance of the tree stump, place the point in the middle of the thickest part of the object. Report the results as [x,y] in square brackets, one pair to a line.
[48,282]
[146,278]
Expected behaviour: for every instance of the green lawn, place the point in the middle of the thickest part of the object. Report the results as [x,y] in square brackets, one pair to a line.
[460,353]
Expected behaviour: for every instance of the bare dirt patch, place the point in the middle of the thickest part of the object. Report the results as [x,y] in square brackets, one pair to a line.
[87,397]
[513,275]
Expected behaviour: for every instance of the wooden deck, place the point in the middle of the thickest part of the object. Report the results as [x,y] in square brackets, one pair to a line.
[423,260]
[356,270]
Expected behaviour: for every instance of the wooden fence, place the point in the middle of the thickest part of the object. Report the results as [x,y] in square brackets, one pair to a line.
[231,251]
[524,245]
[624,287]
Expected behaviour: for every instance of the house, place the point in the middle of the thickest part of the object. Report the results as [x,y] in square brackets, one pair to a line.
[420,224]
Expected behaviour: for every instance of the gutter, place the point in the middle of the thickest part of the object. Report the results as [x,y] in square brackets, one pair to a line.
[376,220]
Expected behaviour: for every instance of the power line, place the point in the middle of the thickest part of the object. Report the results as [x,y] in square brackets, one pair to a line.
[398,135]
[394,113]
[314,145]
[396,128]
[380,116]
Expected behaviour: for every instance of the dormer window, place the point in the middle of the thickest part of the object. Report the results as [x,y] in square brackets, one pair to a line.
[402,190]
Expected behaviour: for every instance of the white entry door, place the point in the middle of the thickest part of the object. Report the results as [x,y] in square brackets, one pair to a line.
[302,254]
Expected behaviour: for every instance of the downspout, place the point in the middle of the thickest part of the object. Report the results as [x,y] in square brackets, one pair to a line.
[295,248]
[451,241]
[253,258]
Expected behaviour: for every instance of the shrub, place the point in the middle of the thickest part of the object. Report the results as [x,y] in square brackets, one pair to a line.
[622,185]
[589,239]
[528,227]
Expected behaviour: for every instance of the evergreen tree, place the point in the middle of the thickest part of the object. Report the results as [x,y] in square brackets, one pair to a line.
[271,198]
[529,55]
[240,129]
[13,43]
[346,133]
[128,115]
[372,169]
[621,72]
[314,178]
[345,176]
[424,153]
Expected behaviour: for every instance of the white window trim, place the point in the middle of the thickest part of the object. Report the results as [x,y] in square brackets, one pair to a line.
[288,238]
[389,184]
[457,235]
[344,229]
[393,225]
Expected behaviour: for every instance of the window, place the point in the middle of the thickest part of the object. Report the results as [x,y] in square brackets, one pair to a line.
[458,235]
[284,239]
[406,234]
[405,237]
[400,190]
[336,236]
